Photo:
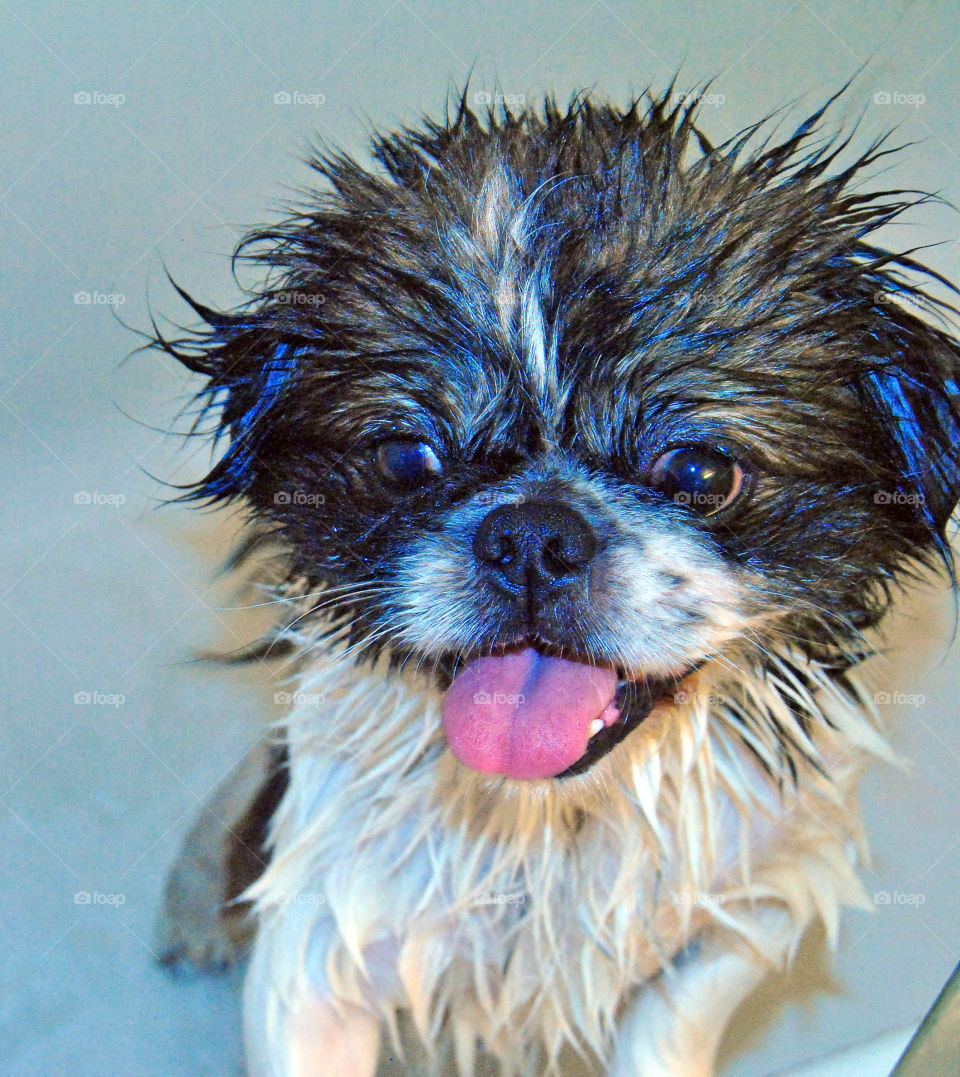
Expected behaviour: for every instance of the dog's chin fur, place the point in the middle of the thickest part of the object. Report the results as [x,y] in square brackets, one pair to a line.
[548,305]
[423,875]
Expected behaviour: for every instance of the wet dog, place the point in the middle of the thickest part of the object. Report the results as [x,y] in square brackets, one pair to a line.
[590,451]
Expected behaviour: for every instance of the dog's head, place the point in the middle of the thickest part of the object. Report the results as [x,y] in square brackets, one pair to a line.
[563,406]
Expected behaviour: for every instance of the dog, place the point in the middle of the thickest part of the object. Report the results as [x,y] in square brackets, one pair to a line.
[586,454]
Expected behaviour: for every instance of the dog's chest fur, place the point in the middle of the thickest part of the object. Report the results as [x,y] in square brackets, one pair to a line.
[403,880]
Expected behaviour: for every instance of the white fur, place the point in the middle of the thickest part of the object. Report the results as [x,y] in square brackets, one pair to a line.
[636,617]
[675,1027]
[497,246]
[520,913]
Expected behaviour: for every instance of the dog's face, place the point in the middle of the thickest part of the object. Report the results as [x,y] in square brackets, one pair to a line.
[561,410]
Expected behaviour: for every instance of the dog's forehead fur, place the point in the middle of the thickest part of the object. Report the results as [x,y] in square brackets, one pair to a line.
[543,257]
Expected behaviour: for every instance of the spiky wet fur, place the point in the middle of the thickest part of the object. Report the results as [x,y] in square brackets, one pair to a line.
[383,836]
[577,285]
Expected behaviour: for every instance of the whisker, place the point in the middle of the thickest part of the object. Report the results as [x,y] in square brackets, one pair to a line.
[363,585]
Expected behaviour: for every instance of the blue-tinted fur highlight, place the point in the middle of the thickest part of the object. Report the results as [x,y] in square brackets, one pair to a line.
[435,313]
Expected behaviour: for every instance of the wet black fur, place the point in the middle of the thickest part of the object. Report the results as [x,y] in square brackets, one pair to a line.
[726,295]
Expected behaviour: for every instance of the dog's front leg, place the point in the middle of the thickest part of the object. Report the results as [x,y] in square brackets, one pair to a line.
[311,1036]
[674,1026]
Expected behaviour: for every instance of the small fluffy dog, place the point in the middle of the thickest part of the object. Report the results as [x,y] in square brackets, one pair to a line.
[591,450]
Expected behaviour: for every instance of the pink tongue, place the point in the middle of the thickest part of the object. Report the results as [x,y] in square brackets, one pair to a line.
[525,715]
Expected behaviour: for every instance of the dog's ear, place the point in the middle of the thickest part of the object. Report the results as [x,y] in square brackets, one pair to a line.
[913,383]
[249,367]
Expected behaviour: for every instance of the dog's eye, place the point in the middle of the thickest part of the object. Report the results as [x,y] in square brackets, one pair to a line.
[702,478]
[407,463]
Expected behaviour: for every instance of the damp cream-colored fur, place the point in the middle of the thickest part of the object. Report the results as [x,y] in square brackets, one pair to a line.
[533,916]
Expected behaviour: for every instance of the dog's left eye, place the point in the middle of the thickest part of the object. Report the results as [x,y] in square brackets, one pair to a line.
[407,463]
[704,479]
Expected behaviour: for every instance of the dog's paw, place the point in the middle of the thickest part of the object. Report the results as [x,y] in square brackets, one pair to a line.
[195,931]
[200,926]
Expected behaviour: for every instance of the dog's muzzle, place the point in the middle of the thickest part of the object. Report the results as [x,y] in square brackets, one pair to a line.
[533,709]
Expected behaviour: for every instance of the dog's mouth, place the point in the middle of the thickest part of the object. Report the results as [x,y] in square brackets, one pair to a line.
[528,712]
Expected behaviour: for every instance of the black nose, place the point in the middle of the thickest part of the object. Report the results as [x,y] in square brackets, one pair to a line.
[538,545]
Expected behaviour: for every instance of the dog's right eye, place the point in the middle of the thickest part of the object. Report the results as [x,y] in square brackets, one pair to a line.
[700,477]
[406,463]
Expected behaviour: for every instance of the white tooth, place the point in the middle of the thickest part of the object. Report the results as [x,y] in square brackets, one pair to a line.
[595,726]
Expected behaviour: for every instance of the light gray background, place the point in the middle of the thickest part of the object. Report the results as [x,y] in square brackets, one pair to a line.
[113,596]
